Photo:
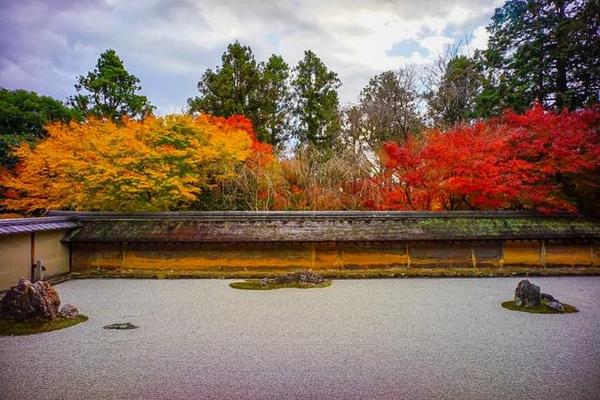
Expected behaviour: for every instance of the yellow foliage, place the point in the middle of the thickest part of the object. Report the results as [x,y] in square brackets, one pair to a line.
[158,164]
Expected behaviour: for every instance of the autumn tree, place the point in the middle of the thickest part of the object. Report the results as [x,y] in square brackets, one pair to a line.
[110,91]
[544,51]
[241,85]
[316,102]
[155,164]
[536,161]
[23,116]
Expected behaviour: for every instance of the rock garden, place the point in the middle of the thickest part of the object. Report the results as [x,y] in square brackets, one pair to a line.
[30,308]
[301,280]
[529,298]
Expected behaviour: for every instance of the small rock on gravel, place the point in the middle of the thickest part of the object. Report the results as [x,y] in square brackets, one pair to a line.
[121,325]
[555,305]
[69,311]
[547,298]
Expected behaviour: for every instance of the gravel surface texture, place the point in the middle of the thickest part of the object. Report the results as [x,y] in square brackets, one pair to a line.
[357,339]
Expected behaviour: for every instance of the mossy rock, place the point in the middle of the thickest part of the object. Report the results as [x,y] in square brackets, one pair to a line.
[37,325]
[541,309]
[255,284]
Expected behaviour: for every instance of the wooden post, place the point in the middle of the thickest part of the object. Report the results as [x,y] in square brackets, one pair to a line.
[122,255]
[543,253]
[32,259]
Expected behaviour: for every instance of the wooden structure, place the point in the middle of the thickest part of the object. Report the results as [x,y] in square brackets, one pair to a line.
[262,241]
[27,241]
[233,241]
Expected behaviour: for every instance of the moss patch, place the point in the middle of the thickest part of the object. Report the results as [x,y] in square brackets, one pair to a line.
[541,309]
[37,325]
[254,284]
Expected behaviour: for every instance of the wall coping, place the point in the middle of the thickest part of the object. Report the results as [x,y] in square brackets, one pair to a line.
[279,215]
[326,226]
[11,226]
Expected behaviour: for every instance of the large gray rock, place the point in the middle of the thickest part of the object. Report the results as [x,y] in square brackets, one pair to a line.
[527,294]
[30,300]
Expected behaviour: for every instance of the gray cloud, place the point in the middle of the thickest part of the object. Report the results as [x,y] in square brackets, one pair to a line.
[45,45]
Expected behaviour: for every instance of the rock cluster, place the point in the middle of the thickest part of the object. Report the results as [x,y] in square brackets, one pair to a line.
[529,295]
[69,311]
[30,300]
[299,277]
[302,277]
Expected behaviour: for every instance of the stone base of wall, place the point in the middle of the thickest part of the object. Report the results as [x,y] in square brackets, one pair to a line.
[337,255]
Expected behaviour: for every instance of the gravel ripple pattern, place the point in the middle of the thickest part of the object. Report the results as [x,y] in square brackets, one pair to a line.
[358,339]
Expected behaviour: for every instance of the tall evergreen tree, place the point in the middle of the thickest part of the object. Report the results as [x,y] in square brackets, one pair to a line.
[243,86]
[315,102]
[110,91]
[231,88]
[275,101]
[545,51]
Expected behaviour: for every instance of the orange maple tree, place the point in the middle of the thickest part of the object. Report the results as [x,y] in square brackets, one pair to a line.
[160,163]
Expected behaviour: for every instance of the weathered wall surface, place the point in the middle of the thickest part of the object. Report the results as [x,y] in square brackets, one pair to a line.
[217,256]
[568,255]
[263,256]
[16,253]
[53,253]
[257,241]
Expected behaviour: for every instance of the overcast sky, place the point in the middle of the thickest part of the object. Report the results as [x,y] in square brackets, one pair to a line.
[45,45]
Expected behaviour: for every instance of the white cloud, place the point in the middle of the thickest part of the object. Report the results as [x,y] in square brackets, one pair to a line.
[168,44]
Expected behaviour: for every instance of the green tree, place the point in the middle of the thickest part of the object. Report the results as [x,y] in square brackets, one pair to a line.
[275,101]
[545,51]
[110,91]
[23,116]
[231,88]
[243,86]
[315,102]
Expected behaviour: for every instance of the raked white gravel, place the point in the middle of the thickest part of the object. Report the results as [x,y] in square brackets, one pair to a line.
[357,339]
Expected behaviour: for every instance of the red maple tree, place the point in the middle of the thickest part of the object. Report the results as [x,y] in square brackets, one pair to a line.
[538,160]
